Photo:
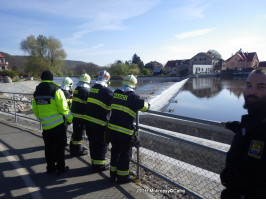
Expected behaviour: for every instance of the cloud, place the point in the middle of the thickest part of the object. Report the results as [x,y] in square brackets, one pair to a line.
[85,15]
[98,46]
[194,9]
[194,33]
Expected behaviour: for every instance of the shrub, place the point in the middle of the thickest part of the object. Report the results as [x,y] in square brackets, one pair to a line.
[9,73]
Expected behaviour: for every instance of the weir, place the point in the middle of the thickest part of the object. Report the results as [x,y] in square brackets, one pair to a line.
[175,150]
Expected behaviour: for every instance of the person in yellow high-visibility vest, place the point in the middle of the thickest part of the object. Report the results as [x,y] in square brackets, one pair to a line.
[50,107]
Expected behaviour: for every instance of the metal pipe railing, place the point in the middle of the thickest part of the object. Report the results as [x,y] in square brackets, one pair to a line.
[138,127]
[203,121]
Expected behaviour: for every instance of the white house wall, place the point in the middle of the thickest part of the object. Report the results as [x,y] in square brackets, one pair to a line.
[202,69]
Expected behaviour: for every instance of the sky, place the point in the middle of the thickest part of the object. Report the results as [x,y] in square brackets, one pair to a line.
[104,31]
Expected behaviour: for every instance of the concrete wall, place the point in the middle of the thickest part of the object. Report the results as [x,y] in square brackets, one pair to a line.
[196,129]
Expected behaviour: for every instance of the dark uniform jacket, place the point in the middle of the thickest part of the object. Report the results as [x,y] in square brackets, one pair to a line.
[124,108]
[98,104]
[79,101]
[245,169]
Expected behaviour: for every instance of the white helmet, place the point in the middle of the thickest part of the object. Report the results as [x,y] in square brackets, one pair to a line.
[67,83]
[103,76]
[130,81]
[85,78]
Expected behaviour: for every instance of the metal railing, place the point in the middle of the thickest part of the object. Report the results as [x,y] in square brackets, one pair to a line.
[165,159]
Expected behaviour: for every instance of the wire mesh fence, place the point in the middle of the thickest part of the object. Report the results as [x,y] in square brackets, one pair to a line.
[173,166]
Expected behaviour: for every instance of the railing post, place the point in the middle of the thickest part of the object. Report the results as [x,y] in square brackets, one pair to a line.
[138,160]
[16,120]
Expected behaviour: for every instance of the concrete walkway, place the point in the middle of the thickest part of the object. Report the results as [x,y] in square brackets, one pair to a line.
[23,167]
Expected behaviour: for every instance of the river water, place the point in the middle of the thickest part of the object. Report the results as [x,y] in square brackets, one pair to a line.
[114,84]
[211,98]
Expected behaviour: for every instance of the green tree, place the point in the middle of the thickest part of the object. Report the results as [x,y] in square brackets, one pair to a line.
[45,54]
[215,53]
[145,72]
[136,60]
[118,69]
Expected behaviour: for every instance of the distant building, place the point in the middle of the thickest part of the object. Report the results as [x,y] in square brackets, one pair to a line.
[262,64]
[157,71]
[170,67]
[153,65]
[177,67]
[202,69]
[3,64]
[209,63]
[242,60]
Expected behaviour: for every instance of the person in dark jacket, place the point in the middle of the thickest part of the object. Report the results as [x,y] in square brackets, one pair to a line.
[244,175]
[96,116]
[79,103]
[125,105]
[50,107]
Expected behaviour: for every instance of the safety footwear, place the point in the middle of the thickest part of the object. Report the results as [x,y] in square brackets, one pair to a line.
[50,171]
[123,180]
[100,168]
[113,176]
[77,150]
[60,172]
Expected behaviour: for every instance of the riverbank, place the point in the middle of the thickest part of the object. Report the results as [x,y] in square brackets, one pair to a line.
[158,94]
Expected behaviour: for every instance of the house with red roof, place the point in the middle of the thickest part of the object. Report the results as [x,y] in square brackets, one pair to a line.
[242,60]
[3,64]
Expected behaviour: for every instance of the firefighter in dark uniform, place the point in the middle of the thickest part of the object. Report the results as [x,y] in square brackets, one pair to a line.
[50,107]
[96,116]
[79,103]
[125,105]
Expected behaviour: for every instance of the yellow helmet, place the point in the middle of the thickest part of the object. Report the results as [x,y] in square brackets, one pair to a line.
[85,78]
[67,82]
[130,80]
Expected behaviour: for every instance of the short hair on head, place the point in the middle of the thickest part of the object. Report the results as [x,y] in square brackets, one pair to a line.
[260,70]
[47,75]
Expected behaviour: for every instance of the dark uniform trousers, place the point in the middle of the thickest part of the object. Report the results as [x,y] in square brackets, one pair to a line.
[121,153]
[77,135]
[97,145]
[54,140]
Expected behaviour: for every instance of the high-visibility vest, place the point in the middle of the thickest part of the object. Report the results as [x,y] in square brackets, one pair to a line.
[50,105]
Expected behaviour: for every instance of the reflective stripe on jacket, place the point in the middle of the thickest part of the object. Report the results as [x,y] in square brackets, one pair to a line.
[79,101]
[50,105]
[125,105]
[98,104]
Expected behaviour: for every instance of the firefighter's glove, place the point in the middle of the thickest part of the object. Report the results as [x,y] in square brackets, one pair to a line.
[135,141]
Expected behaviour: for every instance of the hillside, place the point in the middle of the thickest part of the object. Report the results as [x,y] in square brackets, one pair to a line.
[18,62]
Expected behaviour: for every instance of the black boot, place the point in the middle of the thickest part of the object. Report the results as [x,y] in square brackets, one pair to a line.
[62,171]
[77,150]
[124,179]
[113,176]
[100,168]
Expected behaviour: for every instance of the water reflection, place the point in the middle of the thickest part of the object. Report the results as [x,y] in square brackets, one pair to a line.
[213,98]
